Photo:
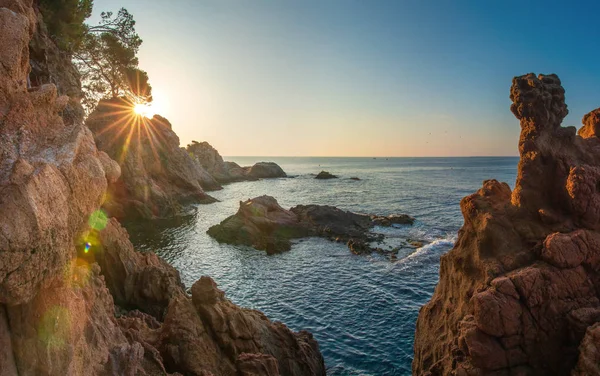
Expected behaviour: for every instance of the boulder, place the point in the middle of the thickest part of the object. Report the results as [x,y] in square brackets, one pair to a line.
[263,224]
[157,176]
[325,175]
[518,293]
[265,170]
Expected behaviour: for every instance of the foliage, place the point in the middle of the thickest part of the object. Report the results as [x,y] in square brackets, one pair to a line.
[105,54]
[108,63]
[65,21]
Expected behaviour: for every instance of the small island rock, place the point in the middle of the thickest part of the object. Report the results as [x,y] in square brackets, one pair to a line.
[325,175]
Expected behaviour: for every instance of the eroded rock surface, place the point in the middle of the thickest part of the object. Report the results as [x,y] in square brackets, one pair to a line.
[518,294]
[228,172]
[263,224]
[157,175]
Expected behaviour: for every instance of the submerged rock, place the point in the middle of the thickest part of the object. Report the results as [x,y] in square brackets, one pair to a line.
[518,294]
[228,172]
[325,175]
[157,175]
[263,224]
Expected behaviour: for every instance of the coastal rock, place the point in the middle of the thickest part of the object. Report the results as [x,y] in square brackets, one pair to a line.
[518,292]
[228,172]
[393,219]
[265,170]
[325,175]
[57,316]
[263,224]
[157,176]
[201,334]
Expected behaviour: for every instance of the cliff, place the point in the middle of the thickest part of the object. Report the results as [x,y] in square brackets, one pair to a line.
[157,175]
[75,298]
[518,294]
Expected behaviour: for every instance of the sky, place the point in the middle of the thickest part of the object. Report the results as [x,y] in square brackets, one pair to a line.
[359,77]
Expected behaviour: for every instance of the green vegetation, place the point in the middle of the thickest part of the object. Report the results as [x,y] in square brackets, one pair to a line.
[105,54]
[65,21]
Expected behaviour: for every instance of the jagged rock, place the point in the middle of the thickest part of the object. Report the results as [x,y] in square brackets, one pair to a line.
[157,176]
[228,172]
[325,175]
[589,353]
[519,288]
[204,334]
[263,224]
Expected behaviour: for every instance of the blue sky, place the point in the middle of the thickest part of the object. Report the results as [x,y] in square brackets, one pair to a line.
[360,78]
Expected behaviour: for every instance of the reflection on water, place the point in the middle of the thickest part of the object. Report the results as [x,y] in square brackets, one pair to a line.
[361,309]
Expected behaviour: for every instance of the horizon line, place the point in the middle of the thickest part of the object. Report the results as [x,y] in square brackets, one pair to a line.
[367,156]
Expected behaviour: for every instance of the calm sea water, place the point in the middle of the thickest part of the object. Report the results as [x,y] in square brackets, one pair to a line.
[361,309]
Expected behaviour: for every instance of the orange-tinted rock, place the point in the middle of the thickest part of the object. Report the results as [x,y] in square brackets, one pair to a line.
[591,124]
[519,289]
[157,176]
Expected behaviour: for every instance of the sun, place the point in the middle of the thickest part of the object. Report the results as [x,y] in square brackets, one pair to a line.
[144,109]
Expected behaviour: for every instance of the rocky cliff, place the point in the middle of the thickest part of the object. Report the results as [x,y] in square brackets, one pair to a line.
[228,172]
[519,293]
[75,298]
[157,175]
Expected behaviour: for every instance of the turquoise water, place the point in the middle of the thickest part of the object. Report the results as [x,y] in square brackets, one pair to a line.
[361,309]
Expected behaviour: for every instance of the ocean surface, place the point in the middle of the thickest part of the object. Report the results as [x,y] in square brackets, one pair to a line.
[361,309]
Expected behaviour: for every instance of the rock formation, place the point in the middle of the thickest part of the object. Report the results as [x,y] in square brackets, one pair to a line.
[325,175]
[263,224]
[157,175]
[519,292]
[75,298]
[49,65]
[228,172]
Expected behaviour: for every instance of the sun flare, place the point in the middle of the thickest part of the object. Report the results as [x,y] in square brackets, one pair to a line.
[144,109]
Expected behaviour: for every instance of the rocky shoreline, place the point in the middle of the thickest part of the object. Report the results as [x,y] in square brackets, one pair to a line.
[75,297]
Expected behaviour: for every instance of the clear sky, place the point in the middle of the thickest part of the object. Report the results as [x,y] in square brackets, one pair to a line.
[360,77]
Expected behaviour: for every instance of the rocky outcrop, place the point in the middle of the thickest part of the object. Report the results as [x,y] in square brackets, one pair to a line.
[49,65]
[62,261]
[157,175]
[323,175]
[518,294]
[228,172]
[201,334]
[263,224]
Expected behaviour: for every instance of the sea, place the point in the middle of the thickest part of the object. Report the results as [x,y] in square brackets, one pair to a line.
[361,309]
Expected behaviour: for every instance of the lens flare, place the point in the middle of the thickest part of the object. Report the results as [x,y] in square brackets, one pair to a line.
[88,245]
[98,220]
